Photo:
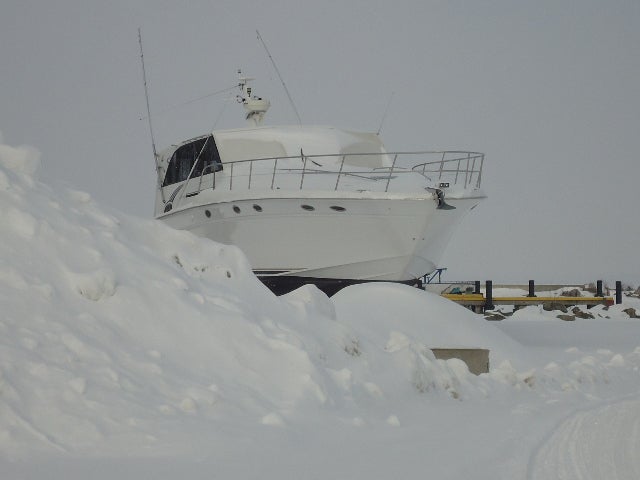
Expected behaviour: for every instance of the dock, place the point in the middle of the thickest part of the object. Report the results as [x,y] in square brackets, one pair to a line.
[479,300]
[476,300]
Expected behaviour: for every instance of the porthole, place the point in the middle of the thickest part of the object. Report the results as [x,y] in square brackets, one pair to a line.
[337,208]
[236,209]
[308,208]
[257,208]
[207,213]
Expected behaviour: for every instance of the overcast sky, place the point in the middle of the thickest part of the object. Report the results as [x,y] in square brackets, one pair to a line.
[549,90]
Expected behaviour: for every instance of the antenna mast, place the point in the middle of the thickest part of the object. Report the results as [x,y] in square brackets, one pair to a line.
[146,95]
[273,62]
[384,115]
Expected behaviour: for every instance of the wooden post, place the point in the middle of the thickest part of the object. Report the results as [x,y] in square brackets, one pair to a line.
[476,290]
[532,289]
[599,289]
[618,292]
[488,303]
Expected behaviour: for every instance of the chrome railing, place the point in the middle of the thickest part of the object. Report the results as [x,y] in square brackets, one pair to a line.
[335,172]
[469,163]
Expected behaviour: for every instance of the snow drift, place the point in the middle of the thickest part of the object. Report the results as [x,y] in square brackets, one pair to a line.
[112,323]
[122,338]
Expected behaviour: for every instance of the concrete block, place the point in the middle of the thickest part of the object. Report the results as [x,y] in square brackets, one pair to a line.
[477,359]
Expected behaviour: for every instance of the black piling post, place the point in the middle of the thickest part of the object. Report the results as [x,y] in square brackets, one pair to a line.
[618,292]
[477,287]
[488,301]
[599,289]
[532,289]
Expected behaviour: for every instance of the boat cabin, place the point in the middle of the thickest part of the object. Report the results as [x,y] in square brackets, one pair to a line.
[207,154]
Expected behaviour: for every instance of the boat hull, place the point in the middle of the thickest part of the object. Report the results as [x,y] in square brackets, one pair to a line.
[384,238]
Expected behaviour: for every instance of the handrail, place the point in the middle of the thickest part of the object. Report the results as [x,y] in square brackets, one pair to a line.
[449,168]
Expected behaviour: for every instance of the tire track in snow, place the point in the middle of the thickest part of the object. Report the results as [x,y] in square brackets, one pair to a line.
[597,444]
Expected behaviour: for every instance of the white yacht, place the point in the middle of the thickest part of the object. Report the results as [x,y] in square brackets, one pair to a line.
[316,203]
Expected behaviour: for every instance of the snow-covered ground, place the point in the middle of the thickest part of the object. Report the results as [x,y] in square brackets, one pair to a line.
[130,350]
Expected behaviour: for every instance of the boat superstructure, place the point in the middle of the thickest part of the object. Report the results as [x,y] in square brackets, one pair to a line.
[317,202]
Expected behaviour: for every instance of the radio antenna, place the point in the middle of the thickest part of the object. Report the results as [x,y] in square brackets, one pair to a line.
[384,115]
[146,95]
[273,62]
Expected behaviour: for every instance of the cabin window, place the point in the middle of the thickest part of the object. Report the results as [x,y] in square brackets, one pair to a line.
[203,151]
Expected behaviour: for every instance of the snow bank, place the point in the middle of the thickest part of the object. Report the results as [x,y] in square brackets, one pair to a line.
[20,160]
[114,325]
[111,324]
[382,311]
[120,337]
